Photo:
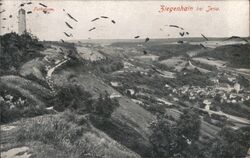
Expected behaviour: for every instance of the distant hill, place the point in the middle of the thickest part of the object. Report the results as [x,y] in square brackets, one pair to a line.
[159,40]
[236,55]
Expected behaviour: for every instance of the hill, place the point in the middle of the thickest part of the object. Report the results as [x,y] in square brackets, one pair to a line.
[126,99]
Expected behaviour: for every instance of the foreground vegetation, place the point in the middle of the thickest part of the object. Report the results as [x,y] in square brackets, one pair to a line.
[63,132]
[181,139]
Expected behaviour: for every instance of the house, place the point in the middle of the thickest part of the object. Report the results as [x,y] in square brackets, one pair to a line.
[207,104]
[237,87]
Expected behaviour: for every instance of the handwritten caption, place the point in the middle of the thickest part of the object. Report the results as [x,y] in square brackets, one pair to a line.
[45,10]
[183,8]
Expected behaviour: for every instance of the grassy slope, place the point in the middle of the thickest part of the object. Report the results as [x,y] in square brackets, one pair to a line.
[129,115]
[55,136]
[29,89]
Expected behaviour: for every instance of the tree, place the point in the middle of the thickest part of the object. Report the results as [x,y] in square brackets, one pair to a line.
[105,105]
[231,143]
[178,140]
[164,138]
[74,97]
[189,125]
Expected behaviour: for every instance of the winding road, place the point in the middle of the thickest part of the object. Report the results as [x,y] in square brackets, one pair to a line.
[51,70]
[230,117]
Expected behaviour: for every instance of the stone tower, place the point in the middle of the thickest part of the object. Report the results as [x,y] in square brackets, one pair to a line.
[21,21]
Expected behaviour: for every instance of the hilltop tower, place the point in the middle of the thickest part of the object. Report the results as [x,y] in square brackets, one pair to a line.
[21,21]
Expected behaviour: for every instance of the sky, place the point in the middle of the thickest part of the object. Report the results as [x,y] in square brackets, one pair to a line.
[133,18]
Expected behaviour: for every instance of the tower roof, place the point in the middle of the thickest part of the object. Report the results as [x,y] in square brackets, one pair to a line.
[21,11]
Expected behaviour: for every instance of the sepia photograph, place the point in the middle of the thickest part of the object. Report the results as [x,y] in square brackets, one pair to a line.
[124,79]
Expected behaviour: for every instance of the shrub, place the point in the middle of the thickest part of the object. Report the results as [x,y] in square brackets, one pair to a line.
[72,97]
[76,98]
[12,114]
[105,106]
[110,67]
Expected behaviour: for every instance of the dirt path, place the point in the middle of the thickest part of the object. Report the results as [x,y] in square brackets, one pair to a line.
[49,73]
[21,152]
[7,128]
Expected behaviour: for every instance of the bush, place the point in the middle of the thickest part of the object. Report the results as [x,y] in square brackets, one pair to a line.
[110,67]
[8,114]
[105,106]
[72,97]
[75,98]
